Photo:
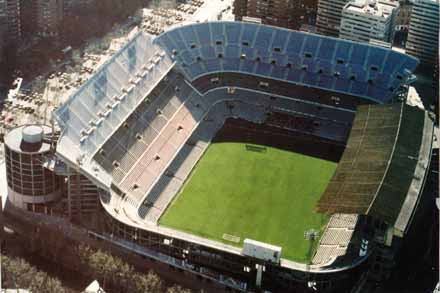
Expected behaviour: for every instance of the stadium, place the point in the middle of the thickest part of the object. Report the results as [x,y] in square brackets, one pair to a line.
[252,154]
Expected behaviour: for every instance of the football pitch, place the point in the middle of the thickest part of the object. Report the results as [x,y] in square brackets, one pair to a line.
[262,193]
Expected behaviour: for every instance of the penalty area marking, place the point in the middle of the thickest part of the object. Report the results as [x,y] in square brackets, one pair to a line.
[231,238]
[254,148]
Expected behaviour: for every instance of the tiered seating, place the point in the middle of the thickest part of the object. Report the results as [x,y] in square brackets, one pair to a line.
[360,69]
[343,221]
[136,133]
[153,152]
[325,254]
[289,122]
[336,238]
[103,102]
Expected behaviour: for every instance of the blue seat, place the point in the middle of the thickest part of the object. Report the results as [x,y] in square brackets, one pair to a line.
[232,51]
[359,88]
[311,45]
[376,58]
[247,65]
[166,41]
[232,32]
[325,81]
[280,39]
[295,43]
[326,49]
[343,71]
[358,54]
[310,78]
[391,62]
[263,69]
[263,39]
[231,64]
[179,43]
[359,72]
[278,71]
[280,59]
[203,34]
[248,34]
[196,69]
[189,36]
[383,80]
[207,52]
[342,85]
[278,53]
[250,53]
[217,33]
[294,75]
[311,65]
[343,52]
[295,60]
[186,57]
[324,67]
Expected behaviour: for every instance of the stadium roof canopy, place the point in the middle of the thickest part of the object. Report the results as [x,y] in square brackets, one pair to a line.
[91,115]
[382,170]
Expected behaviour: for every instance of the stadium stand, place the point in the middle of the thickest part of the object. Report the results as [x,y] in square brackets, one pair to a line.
[335,239]
[138,127]
[104,102]
[335,65]
[383,158]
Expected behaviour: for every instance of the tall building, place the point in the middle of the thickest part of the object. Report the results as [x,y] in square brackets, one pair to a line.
[71,7]
[423,31]
[363,21]
[49,14]
[10,20]
[13,12]
[28,16]
[10,28]
[329,16]
[3,27]
[283,13]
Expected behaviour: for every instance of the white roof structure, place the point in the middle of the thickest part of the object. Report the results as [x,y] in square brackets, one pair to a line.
[104,102]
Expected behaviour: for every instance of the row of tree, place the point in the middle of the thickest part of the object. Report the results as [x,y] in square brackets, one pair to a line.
[19,274]
[115,275]
[112,273]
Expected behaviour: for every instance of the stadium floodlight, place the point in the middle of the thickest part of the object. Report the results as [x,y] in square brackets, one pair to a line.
[311,234]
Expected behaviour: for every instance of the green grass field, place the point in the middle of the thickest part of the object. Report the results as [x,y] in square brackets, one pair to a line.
[266,196]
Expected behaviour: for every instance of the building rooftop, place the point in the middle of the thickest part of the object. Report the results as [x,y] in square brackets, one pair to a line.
[374,8]
[19,139]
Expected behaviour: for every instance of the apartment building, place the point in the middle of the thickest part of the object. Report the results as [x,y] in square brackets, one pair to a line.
[366,20]
[423,31]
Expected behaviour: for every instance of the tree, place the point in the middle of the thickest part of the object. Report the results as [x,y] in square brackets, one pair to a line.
[115,274]
[19,274]
[147,283]
[178,289]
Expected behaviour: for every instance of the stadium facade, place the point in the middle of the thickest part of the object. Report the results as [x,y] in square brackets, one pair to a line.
[134,132]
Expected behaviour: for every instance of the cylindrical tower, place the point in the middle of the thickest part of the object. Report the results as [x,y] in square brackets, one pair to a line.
[31,186]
